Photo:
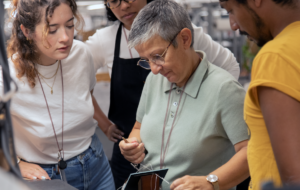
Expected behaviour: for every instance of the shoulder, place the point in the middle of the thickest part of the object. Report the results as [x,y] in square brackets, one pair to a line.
[197,30]
[78,51]
[105,35]
[77,46]
[12,67]
[199,35]
[279,55]
[109,30]
[286,44]
[218,75]
[13,71]
[103,39]
[79,54]
[222,82]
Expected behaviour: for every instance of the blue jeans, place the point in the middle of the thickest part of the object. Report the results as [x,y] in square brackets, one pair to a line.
[88,171]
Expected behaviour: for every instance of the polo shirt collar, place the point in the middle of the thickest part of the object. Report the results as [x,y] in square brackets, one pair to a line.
[193,86]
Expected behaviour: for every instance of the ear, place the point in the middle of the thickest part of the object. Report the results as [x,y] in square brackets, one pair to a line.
[25,31]
[186,36]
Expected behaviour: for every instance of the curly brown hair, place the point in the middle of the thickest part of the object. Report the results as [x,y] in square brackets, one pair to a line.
[29,13]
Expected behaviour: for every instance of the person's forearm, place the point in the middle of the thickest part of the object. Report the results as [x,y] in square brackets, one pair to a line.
[234,171]
[100,117]
[135,132]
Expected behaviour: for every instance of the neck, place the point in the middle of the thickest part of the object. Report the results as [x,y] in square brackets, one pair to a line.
[128,27]
[46,61]
[283,16]
[194,62]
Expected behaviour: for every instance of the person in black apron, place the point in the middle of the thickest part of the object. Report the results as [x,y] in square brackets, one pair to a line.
[127,82]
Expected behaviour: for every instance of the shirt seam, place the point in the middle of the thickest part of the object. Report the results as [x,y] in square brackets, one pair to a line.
[215,109]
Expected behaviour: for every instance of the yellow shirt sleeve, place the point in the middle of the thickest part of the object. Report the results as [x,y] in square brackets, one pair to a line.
[275,71]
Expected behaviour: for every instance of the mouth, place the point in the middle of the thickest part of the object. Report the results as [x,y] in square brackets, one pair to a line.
[63,48]
[166,74]
[129,15]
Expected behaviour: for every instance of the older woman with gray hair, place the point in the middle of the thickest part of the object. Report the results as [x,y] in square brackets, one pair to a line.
[190,116]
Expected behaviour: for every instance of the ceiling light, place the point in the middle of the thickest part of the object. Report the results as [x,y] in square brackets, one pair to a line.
[87,3]
[97,6]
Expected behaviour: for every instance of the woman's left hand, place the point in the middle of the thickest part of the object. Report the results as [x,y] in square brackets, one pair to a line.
[191,183]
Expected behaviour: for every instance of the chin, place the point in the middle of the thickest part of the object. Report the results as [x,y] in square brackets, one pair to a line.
[172,80]
[62,56]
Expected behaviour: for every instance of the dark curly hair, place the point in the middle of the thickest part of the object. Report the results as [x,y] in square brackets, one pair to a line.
[110,14]
[22,50]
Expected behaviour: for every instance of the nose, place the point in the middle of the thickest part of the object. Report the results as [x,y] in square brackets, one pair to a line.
[155,68]
[234,26]
[124,5]
[64,36]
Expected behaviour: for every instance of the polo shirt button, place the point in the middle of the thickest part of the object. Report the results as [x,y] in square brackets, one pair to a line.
[175,103]
[172,114]
[178,91]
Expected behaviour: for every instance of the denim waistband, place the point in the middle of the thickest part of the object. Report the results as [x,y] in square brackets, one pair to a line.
[95,147]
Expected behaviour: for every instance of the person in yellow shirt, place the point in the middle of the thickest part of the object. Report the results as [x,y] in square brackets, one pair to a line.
[272,103]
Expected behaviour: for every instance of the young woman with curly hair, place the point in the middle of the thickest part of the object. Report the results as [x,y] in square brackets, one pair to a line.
[109,47]
[53,111]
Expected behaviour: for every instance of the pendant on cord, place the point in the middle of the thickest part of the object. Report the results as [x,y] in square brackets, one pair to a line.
[61,163]
[51,91]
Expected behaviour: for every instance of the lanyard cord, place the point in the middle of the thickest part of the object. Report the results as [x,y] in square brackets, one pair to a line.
[163,150]
[127,42]
[62,137]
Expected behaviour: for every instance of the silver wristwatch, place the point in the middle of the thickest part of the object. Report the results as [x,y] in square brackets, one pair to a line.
[213,179]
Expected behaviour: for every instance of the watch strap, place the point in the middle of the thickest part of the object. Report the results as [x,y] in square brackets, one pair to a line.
[216,185]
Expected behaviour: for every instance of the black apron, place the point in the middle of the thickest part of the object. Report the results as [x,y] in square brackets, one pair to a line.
[127,82]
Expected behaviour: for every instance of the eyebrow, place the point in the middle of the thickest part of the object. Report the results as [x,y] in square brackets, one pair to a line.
[66,22]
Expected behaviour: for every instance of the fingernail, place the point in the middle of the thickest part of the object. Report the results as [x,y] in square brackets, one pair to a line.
[43,177]
[34,177]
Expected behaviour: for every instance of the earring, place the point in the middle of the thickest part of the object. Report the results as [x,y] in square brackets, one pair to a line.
[29,40]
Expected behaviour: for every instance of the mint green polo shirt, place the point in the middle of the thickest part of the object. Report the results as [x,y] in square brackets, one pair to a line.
[208,123]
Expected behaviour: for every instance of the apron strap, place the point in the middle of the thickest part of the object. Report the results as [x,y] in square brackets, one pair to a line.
[118,41]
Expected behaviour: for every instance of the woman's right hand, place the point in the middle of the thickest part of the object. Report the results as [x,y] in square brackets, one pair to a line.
[32,171]
[133,151]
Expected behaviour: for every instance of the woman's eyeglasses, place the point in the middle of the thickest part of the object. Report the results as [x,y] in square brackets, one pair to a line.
[156,59]
[116,3]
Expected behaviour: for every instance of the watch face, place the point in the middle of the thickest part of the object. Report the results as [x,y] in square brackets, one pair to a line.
[212,178]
